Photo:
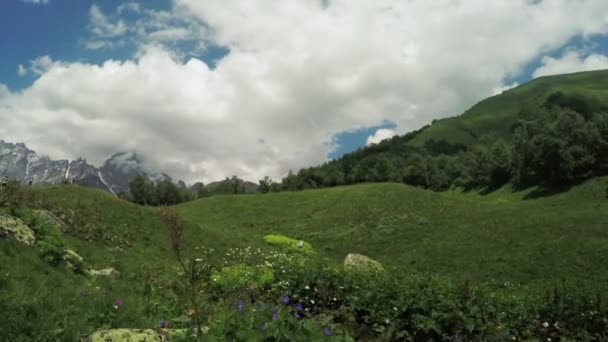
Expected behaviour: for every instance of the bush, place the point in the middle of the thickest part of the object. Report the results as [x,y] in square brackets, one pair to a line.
[289,243]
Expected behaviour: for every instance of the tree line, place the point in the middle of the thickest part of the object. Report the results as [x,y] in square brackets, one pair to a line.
[164,192]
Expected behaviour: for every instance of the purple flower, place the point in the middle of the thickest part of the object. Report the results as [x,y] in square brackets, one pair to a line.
[285,299]
[240,305]
[300,307]
[327,332]
[163,324]
[117,303]
[296,315]
[275,316]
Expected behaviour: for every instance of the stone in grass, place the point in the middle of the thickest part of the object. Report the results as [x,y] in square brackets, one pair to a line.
[127,335]
[289,243]
[107,272]
[143,335]
[14,228]
[357,263]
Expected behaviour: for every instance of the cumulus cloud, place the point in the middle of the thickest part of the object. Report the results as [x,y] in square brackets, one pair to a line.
[298,73]
[381,134]
[102,26]
[571,61]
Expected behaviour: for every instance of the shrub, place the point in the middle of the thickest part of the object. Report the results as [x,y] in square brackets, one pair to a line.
[289,243]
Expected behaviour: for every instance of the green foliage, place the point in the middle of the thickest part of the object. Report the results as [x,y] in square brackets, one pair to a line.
[265,184]
[289,243]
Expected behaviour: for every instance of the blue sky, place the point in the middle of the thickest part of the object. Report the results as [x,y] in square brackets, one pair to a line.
[322,99]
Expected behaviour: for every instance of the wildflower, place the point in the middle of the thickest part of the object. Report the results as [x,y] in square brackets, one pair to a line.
[300,307]
[275,316]
[394,308]
[285,299]
[545,324]
[327,332]
[556,325]
[240,305]
[306,287]
[387,321]
[198,260]
[296,315]
[163,324]
[312,301]
[117,303]
[549,339]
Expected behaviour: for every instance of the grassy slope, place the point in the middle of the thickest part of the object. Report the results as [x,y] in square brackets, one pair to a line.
[55,295]
[500,236]
[496,114]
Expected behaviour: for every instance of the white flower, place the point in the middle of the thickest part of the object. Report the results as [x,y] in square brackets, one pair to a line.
[198,259]
[549,339]
[335,299]
[395,308]
[387,321]
[312,301]
[546,325]
[306,287]
[556,325]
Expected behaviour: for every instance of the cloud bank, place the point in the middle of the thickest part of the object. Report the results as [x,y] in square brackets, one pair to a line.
[298,73]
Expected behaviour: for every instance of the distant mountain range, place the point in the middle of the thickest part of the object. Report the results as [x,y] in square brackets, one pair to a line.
[18,162]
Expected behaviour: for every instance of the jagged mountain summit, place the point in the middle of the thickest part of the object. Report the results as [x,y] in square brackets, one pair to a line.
[22,164]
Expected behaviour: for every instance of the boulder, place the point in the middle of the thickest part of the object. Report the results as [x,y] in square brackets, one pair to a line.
[107,272]
[127,335]
[357,263]
[14,228]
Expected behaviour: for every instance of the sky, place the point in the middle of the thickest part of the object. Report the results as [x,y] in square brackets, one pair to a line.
[207,89]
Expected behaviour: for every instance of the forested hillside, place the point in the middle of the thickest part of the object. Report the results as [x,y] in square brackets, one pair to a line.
[551,132]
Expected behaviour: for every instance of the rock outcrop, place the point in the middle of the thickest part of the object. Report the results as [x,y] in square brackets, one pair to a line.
[16,229]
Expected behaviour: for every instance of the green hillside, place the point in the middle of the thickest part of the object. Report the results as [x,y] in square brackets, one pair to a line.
[497,114]
[429,243]
[501,236]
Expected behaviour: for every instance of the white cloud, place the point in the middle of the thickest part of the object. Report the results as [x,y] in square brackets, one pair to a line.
[171,34]
[571,61]
[297,74]
[128,6]
[381,134]
[38,2]
[499,90]
[21,71]
[41,64]
[102,26]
